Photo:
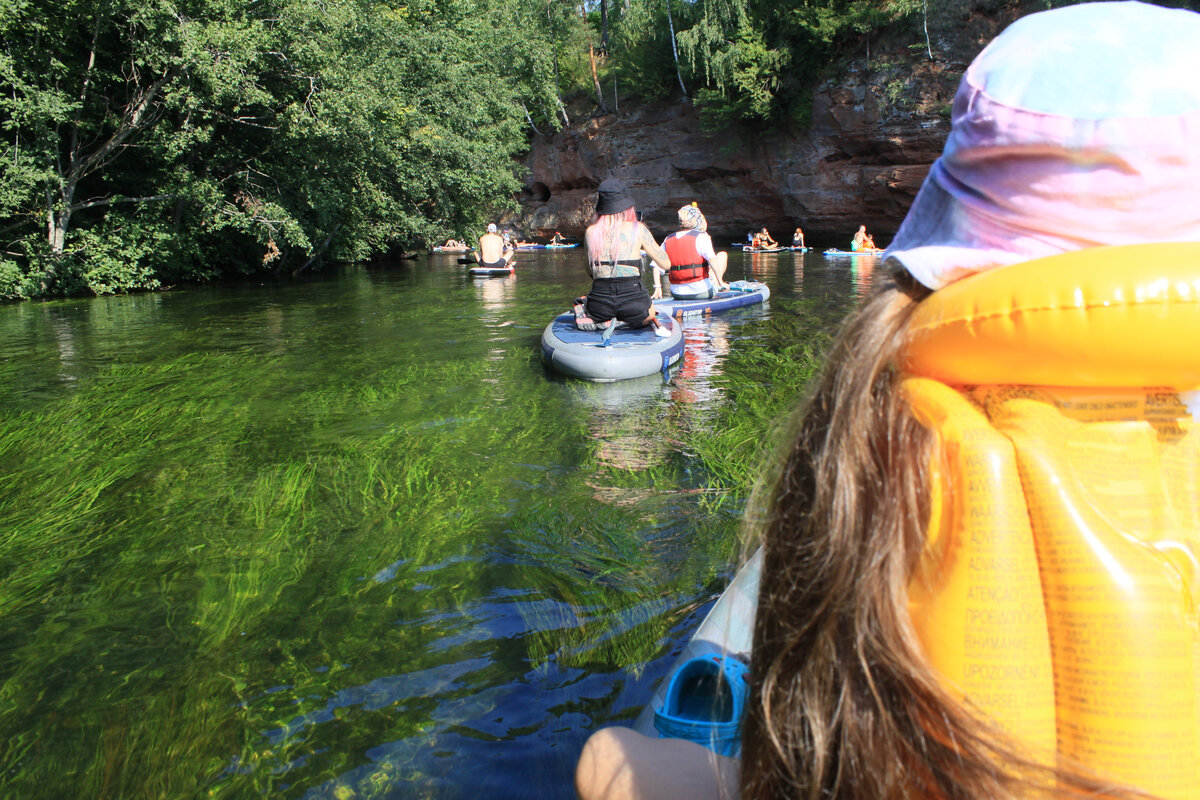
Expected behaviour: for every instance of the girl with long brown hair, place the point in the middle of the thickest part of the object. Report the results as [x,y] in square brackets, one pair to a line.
[991,393]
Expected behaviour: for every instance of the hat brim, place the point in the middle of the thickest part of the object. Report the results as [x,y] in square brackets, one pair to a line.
[606,206]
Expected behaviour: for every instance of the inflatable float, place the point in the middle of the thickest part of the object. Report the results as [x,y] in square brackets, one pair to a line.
[622,353]
[740,294]
[1057,589]
[547,246]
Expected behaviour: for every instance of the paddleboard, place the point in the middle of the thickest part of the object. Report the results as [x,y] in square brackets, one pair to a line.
[741,293]
[490,272]
[833,251]
[629,352]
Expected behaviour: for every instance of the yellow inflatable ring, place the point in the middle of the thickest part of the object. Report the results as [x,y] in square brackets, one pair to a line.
[1042,322]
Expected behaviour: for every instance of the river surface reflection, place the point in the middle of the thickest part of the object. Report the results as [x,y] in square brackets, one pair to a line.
[347,537]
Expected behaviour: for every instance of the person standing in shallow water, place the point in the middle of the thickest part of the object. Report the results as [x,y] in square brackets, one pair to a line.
[615,241]
[845,702]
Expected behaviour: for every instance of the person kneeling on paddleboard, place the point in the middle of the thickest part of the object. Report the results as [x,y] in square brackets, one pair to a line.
[615,241]
[697,270]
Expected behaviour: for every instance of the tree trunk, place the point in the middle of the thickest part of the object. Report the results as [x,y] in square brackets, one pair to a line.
[604,27]
[596,81]
[675,50]
[80,165]
[320,251]
[925,24]
[529,119]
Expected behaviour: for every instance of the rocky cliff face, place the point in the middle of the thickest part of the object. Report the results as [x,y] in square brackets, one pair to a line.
[876,129]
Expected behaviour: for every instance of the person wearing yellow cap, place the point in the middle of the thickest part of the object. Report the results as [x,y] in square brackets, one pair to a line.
[697,270]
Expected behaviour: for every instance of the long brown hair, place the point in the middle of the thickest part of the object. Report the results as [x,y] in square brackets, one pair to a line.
[844,704]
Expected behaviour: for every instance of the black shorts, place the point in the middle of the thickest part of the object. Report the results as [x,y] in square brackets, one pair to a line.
[494,264]
[623,298]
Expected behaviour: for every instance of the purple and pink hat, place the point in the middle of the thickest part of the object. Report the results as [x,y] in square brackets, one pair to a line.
[1077,127]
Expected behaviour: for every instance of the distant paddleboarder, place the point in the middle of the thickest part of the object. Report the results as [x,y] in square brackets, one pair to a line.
[494,251]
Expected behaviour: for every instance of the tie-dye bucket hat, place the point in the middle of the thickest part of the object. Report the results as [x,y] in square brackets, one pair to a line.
[1076,127]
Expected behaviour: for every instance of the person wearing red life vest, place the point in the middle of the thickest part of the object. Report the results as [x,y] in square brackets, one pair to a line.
[697,270]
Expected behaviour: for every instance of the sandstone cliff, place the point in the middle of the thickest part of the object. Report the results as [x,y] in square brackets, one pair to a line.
[876,128]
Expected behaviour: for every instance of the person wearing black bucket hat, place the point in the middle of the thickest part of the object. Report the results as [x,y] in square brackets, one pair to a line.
[615,241]
[612,197]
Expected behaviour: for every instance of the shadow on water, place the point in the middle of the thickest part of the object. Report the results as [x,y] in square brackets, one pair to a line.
[347,537]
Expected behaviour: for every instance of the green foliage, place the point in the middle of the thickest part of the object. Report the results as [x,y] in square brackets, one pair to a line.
[746,62]
[12,281]
[640,50]
[260,137]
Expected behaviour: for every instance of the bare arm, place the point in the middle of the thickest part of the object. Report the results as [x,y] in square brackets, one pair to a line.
[656,253]
[622,764]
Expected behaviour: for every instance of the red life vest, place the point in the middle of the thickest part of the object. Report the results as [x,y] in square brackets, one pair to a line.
[687,265]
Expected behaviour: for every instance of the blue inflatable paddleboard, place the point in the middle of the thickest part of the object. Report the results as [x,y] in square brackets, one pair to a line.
[628,352]
[741,293]
[833,251]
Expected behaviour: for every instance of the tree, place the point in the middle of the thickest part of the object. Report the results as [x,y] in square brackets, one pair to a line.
[150,141]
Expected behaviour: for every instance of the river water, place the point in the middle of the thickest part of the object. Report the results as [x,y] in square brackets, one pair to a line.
[347,537]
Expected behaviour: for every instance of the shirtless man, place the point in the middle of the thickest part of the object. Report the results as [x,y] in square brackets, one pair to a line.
[862,241]
[493,250]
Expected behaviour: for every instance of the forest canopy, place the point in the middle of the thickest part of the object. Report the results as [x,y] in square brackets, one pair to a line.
[149,142]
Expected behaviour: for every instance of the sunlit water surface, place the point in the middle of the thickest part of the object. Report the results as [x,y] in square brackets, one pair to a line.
[347,538]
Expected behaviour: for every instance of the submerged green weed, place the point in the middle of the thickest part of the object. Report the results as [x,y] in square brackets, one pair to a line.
[289,538]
